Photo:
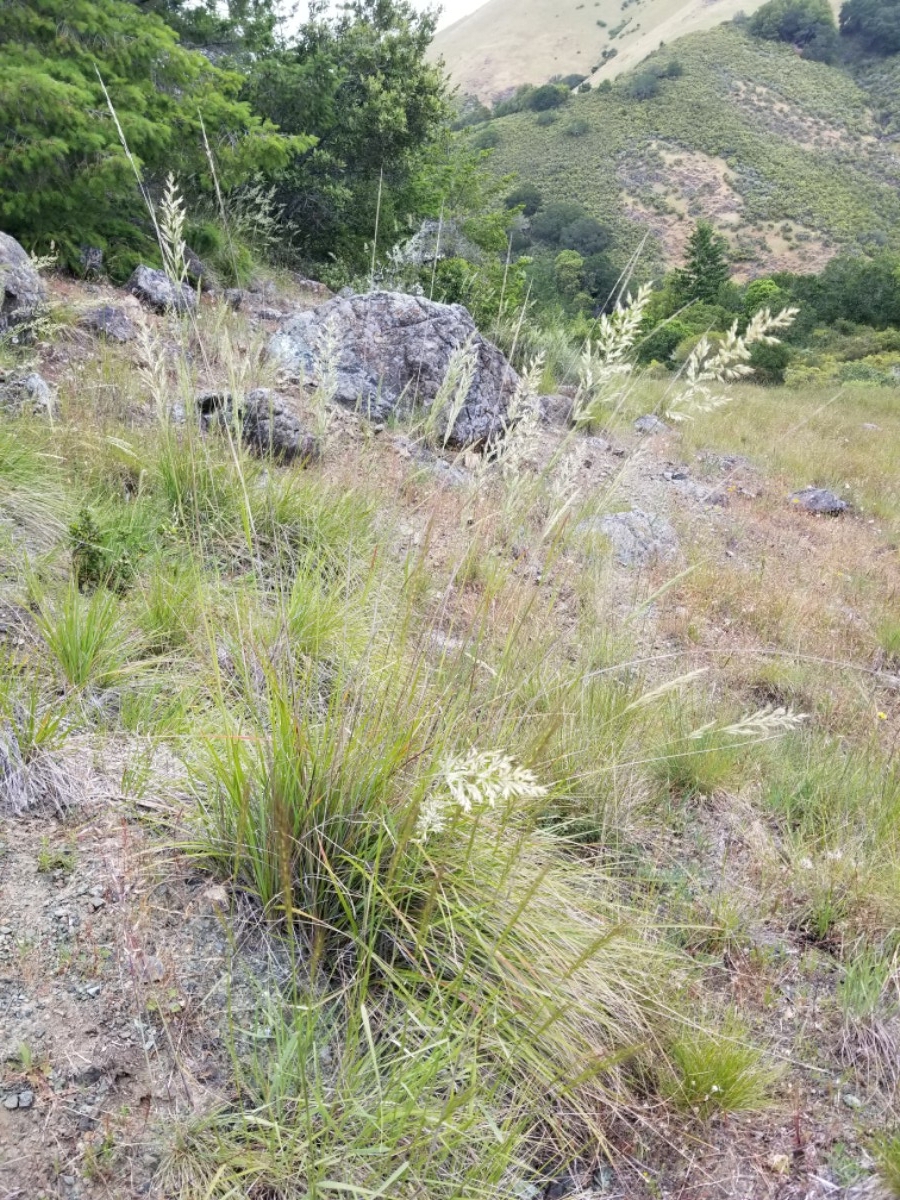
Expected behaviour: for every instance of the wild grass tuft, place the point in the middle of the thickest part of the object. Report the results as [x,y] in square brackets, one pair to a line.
[720,1072]
[88,638]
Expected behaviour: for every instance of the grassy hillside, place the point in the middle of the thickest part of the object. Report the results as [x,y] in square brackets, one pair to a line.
[790,159]
[386,827]
[508,42]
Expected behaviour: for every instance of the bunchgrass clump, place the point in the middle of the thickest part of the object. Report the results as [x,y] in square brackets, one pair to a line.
[720,1072]
[88,638]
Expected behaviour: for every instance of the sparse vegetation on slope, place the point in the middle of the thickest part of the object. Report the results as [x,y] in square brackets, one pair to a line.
[784,157]
[528,839]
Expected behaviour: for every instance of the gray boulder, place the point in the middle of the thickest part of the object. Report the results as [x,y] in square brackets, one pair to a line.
[22,291]
[637,537]
[650,424]
[556,409]
[392,351]
[268,426]
[819,500]
[110,322]
[156,290]
[25,393]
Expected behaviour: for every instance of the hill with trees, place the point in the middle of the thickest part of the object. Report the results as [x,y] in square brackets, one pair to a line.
[791,160]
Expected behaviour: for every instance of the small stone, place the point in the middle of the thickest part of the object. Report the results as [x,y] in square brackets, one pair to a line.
[650,424]
[780,1164]
[153,969]
[556,409]
[11,1102]
[234,298]
[91,259]
[268,424]
[22,291]
[216,896]
[852,1101]
[821,501]
[30,392]
[26,1098]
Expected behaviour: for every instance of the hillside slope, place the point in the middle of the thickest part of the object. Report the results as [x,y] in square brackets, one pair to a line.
[508,42]
[786,157]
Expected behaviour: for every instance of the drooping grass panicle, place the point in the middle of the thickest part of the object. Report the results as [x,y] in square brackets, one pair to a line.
[711,366]
[606,359]
[451,396]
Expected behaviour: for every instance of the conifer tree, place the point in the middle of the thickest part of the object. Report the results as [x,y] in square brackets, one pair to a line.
[706,268]
[64,175]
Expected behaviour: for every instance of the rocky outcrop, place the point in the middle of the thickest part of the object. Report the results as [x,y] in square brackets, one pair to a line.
[637,537]
[154,289]
[22,290]
[820,501]
[110,322]
[268,426]
[390,355]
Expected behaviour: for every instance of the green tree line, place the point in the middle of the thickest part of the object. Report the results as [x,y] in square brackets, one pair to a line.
[343,120]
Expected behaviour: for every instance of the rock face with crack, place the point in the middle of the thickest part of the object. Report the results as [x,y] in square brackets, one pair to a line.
[820,500]
[637,537]
[391,354]
[268,426]
[22,290]
[157,291]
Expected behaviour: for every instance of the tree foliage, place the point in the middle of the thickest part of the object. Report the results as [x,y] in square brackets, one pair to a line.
[527,196]
[807,24]
[706,268]
[874,23]
[64,176]
[237,28]
[360,82]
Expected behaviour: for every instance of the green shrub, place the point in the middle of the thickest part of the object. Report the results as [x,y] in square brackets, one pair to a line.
[769,363]
[487,139]
[549,96]
[642,86]
[527,197]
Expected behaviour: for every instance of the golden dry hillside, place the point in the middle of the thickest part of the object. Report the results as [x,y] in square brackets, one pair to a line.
[508,42]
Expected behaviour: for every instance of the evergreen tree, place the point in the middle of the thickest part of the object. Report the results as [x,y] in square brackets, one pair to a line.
[64,175]
[706,269]
[239,29]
